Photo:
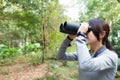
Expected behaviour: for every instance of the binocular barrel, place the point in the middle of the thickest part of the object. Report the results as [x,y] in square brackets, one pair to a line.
[70,28]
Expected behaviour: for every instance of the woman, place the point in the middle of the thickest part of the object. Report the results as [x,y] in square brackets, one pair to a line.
[98,63]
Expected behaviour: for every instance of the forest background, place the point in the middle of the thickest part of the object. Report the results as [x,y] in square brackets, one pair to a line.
[29,33]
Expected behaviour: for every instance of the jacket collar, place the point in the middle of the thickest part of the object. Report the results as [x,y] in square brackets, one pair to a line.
[100,50]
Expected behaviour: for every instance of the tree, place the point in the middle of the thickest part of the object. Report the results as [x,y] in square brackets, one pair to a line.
[32,21]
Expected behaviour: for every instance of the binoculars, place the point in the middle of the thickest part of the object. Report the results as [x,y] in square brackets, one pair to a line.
[70,28]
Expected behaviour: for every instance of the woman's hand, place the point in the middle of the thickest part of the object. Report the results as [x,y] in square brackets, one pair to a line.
[83,27]
[71,36]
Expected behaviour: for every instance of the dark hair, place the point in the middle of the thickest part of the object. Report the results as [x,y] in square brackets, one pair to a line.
[98,26]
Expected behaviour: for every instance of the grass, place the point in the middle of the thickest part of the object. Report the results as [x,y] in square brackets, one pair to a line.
[4,71]
[56,71]
[59,72]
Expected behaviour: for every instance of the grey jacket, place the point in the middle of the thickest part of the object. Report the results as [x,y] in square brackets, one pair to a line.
[101,67]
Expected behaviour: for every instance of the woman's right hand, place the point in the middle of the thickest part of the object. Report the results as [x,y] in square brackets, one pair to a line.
[71,36]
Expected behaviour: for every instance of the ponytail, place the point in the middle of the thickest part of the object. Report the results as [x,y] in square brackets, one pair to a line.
[108,44]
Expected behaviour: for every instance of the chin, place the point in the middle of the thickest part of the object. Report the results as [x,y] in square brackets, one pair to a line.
[87,42]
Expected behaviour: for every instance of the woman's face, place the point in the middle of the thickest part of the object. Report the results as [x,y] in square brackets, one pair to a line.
[91,39]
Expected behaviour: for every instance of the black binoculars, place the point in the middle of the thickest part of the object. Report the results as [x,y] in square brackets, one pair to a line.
[70,28]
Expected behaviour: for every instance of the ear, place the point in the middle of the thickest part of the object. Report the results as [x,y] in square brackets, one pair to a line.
[102,35]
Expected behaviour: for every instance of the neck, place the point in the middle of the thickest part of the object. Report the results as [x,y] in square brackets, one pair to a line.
[95,46]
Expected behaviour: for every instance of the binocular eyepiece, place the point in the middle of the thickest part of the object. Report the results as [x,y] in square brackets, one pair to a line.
[70,28]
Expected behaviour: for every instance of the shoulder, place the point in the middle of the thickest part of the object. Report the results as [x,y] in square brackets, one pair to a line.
[111,52]
[112,55]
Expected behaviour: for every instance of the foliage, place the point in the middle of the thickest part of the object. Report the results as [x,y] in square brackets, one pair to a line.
[27,48]
[114,36]
[53,77]
[118,74]
[22,21]
[6,52]
[101,8]
[35,58]
[64,71]
[20,16]
[119,64]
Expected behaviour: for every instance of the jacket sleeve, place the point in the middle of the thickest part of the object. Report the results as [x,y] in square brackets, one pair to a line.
[63,55]
[87,63]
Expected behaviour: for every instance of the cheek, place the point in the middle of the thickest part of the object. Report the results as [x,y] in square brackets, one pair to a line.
[91,38]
